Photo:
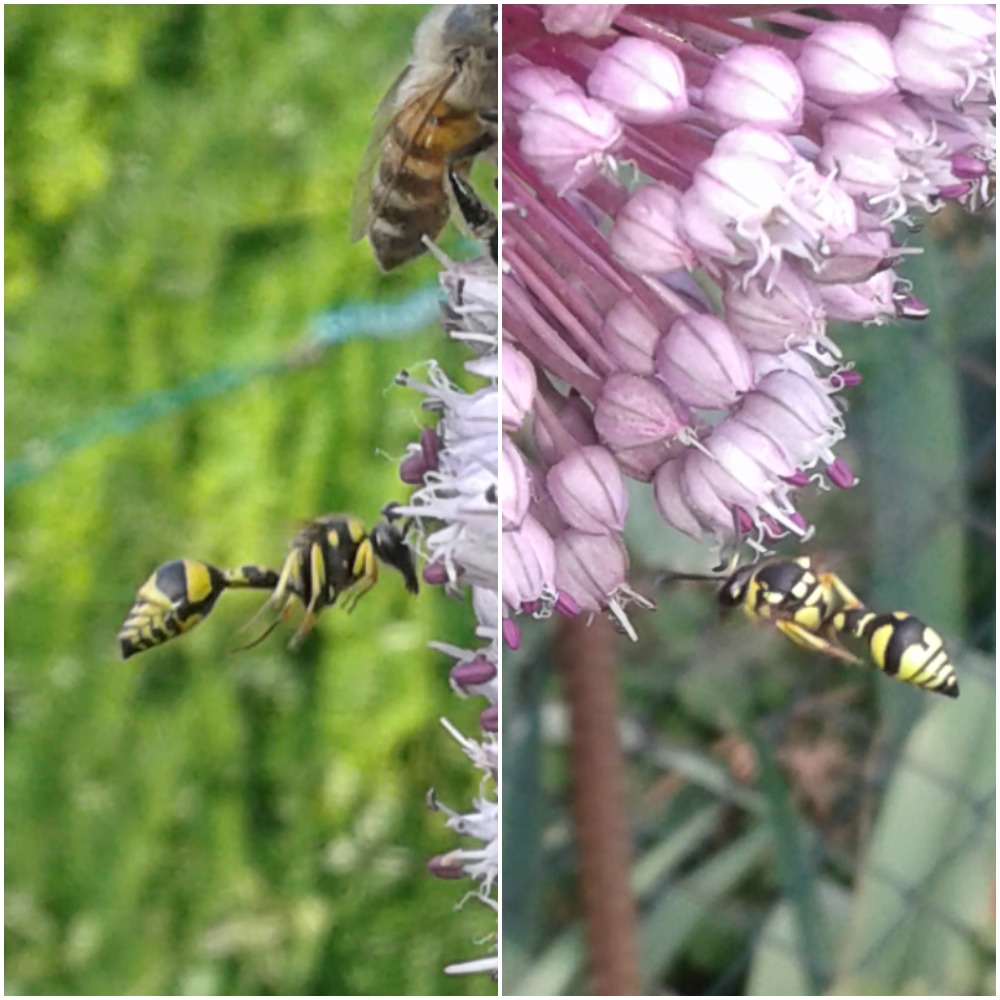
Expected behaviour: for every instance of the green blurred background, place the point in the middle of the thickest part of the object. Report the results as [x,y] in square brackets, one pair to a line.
[178,183]
[799,826]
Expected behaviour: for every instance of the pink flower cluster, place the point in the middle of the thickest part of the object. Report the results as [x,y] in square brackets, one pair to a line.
[454,468]
[645,143]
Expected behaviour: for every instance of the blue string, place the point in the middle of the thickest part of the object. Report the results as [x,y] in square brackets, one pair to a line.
[339,325]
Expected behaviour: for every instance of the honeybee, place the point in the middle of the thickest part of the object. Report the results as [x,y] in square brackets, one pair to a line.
[439,115]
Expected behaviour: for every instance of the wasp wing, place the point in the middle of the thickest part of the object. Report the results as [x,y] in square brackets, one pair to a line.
[391,109]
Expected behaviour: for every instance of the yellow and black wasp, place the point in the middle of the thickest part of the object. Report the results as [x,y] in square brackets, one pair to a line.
[331,558]
[813,609]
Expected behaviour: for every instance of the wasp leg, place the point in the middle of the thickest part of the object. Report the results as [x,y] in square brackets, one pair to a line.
[365,574]
[317,590]
[283,591]
[308,624]
[810,640]
[850,599]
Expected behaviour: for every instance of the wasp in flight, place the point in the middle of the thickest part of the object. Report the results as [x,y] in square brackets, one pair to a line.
[439,115]
[813,609]
[332,558]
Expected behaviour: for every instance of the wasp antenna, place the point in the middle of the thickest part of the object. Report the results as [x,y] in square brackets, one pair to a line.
[703,577]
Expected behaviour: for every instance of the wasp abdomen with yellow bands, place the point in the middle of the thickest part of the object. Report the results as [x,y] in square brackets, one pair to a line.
[903,647]
[177,596]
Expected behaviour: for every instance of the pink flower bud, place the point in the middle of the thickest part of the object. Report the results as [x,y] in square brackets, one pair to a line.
[511,634]
[643,82]
[642,461]
[726,188]
[590,568]
[630,334]
[670,499]
[529,563]
[633,410]
[701,493]
[567,137]
[447,866]
[702,363]
[646,236]
[412,469]
[515,494]
[527,86]
[576,418]
[517,387]
[758,142]
[968,168]
[489,719]
[421,458]
[435,574]
[791,408]
[862,301]
[839,473]
[587,487]
[910,307]
[742,450]
[862,148]
[787,314]
[755,84]
[588,20]
[938,46]
[847,62]
[858,258]
[473,673]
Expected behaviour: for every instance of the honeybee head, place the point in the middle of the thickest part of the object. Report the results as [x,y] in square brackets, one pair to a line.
[461,39]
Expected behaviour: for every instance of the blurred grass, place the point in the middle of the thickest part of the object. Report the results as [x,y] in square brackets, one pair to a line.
[801,827]
[178,182]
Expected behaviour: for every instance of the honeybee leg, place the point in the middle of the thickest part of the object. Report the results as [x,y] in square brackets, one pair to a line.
[477,215]
[364,573]
[483,143]
[849,598]
[810,640]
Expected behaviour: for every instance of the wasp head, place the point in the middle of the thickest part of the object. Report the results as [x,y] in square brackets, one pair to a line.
[389,544]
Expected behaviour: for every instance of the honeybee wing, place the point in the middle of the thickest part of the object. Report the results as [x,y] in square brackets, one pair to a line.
[388,112]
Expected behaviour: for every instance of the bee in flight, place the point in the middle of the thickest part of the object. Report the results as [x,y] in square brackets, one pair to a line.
[439,115]
[332,558]
[813,609]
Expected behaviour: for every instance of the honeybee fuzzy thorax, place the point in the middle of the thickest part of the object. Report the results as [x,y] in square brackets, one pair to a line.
[459,39]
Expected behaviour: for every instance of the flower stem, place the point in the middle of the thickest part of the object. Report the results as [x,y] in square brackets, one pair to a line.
[585,655]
